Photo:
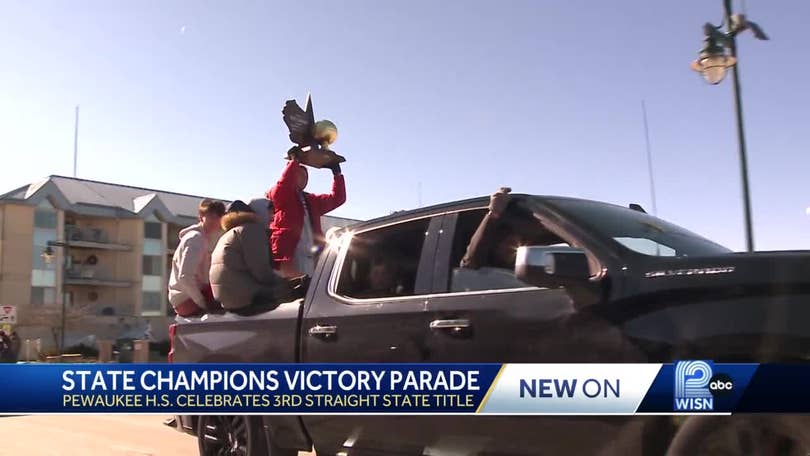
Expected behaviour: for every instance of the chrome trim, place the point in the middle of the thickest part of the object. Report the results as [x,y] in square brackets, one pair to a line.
[542,256]
[450,324]
[690,272]
[466,209]
[319,330]
[367,301]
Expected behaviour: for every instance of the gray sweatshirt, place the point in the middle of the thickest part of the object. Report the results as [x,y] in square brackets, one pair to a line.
[190,265]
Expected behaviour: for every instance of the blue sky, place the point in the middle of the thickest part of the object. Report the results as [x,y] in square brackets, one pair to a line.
[454,97]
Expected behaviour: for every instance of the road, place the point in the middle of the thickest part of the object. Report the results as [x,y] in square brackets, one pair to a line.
[93,435]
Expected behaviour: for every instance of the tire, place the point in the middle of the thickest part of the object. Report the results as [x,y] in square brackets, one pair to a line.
[230,436]
[742,434]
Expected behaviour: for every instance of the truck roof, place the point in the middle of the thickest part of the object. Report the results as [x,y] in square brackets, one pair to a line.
[460,204]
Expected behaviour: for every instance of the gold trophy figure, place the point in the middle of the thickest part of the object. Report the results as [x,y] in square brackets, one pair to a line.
[312,138]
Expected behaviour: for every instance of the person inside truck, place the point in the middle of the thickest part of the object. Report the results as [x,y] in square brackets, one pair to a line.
[383,277]
[489,260]
[297,236]
[242,273]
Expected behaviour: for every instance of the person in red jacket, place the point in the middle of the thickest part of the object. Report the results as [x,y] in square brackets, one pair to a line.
[296,235]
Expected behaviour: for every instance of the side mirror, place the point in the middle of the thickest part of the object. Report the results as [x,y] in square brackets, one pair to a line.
[552,266]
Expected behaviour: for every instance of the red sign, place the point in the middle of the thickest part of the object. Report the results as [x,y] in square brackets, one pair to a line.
[8,314]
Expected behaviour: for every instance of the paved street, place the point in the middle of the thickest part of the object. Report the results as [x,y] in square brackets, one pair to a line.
[93,435]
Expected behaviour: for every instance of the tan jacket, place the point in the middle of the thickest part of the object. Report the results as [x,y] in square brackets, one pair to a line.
[190,265]
[241,267]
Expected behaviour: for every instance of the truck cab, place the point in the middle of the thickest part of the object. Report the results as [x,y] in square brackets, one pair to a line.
[588,282]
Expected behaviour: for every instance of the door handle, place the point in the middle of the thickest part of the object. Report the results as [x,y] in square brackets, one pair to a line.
[322,331]
[455,325]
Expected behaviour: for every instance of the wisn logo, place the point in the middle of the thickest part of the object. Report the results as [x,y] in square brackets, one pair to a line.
[696,387]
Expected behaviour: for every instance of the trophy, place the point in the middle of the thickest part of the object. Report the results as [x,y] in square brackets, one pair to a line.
[312,138]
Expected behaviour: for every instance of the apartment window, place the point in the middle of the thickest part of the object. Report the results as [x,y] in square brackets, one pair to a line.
[152,247]
[43,275]
[151,303]
[153,230]
[43,235]
[152,265]
[45,217]
[40,278]
[43,296]
[41,238]
[152,283]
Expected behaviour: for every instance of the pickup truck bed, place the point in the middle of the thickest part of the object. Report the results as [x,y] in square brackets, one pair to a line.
[212,338]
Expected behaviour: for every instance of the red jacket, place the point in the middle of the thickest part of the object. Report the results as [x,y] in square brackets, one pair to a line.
[288,220]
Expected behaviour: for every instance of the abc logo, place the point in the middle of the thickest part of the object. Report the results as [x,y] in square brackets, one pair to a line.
[721,385]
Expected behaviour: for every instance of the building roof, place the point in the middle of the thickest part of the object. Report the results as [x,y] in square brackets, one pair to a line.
[103,199]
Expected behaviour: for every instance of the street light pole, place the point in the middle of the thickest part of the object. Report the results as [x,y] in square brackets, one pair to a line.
[712,63]
[47,254]
[749,235]
[65,252]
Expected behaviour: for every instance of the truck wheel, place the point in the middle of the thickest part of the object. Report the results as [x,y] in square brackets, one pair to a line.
[230,436]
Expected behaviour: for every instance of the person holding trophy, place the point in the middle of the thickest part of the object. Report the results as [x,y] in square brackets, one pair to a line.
[296,234]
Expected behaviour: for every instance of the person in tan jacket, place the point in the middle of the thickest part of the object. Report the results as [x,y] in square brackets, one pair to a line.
[242,271]
[189,291]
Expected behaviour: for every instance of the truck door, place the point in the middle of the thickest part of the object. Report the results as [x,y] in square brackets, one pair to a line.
[370,306]
[487,315]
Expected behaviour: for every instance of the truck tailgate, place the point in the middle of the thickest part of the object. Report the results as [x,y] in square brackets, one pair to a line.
[268,337]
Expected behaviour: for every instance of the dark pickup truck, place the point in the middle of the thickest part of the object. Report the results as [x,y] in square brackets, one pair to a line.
[591,282]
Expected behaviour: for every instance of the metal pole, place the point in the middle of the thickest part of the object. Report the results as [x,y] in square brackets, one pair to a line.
[76,141]
[64,302]
[749,235]
[649,158]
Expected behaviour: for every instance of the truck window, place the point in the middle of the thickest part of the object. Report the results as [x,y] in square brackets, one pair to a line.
[494,265]
[383,263]
[636,231]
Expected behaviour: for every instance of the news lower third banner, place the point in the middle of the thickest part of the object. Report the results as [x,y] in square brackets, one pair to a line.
[685,387]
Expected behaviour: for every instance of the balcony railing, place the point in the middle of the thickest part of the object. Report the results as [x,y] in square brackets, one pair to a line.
[91,238]
[101,309]
[92,276]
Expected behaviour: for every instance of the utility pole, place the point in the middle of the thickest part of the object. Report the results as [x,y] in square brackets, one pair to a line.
[649,158]
[76,141]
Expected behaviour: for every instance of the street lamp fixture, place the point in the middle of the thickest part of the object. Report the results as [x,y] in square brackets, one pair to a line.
[720,48]
[713,60]
[719,53]
[48,255]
